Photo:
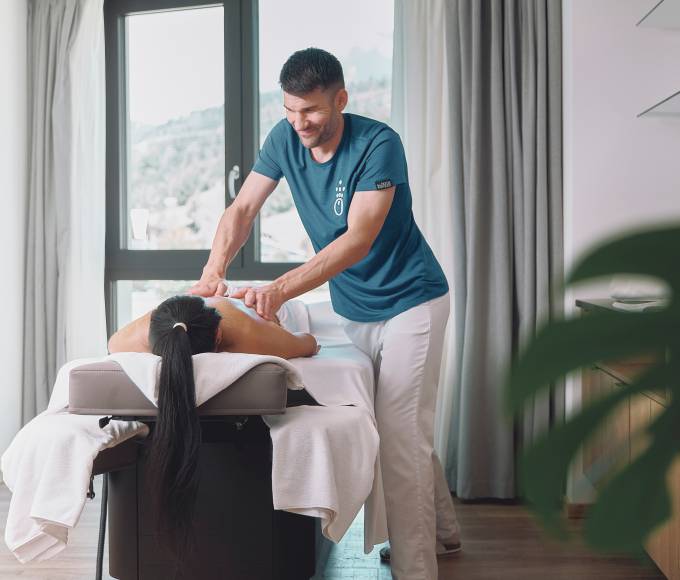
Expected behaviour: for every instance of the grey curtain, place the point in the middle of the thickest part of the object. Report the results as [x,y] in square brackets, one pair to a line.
[504,62]
[52,26]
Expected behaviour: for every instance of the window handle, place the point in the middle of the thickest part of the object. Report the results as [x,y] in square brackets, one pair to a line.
[234,174]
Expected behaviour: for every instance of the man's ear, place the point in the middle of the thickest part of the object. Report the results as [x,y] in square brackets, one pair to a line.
[341,99]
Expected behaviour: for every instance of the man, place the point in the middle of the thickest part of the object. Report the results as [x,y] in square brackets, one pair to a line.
[349,181]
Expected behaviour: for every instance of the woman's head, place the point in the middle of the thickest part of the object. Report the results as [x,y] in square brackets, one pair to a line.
[202,324]
[176,439]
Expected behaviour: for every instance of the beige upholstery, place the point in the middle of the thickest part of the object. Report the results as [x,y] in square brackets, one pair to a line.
[103,388]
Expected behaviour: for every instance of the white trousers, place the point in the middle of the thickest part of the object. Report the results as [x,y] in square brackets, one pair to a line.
[406,351]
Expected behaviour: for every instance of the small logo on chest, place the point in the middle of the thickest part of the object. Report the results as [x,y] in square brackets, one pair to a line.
[339,203]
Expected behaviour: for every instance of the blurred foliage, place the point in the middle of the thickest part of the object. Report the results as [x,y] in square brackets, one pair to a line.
[634,500]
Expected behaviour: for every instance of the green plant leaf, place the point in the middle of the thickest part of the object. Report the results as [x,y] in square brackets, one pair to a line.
[635,501]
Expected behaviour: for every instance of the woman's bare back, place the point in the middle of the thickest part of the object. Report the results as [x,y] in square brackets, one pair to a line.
[240,329]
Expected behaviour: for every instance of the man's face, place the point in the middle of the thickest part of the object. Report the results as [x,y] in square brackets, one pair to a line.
[316,115]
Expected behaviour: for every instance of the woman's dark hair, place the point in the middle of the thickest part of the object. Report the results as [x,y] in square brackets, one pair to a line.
[309,69]
[173,455]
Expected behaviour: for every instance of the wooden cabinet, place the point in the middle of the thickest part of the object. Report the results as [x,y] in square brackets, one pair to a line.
[618,442]
[664,544]
[622,439]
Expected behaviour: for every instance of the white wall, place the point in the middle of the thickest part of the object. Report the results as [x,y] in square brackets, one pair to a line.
[13,94]
[620,171]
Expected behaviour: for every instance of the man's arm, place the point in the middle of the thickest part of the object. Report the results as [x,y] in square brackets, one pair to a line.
[232,232]
[365,218]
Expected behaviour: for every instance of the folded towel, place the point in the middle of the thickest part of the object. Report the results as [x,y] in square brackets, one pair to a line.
[640,306]
[633,288]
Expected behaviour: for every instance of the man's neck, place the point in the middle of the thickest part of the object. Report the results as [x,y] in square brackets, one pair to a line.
[325,151]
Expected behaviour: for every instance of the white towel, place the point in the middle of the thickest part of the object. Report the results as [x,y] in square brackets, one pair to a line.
[294,316]
[47,467]
[213,372]
[640,306]
[323,463]
[626,288]
[335,443]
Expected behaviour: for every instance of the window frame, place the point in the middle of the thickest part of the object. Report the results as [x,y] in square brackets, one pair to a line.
[241,117]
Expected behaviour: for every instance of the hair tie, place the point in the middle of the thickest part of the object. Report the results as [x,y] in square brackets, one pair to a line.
[184,326]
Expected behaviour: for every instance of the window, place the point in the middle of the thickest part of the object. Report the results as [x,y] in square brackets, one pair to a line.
[187,111]
[175,127]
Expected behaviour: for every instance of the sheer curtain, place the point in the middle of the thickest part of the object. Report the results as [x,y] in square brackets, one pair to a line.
[477,100]
[64,314]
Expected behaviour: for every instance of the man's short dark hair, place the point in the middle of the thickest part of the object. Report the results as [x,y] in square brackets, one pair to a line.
[309,69]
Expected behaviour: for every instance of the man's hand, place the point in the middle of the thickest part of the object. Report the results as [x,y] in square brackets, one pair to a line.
[266,300]
[210,284]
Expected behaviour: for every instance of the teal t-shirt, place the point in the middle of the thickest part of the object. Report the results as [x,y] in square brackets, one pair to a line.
[400,270]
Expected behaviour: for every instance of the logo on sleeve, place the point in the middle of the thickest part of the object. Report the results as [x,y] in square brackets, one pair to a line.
[384,184]
[339,203]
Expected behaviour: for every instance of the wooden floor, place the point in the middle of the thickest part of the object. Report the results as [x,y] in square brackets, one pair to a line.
[500,541]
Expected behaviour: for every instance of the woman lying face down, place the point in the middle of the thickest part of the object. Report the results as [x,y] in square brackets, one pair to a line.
[234,326]
[178,328]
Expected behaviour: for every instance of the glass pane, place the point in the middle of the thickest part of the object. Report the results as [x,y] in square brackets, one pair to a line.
[175,105]
[134,298]
[363,46]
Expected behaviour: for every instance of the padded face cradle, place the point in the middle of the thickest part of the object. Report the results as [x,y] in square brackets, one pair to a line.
[103,388]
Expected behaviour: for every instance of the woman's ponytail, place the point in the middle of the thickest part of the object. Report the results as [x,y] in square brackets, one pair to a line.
[172,474]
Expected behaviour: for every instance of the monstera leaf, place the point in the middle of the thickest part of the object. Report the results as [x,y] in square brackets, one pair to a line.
[635,499]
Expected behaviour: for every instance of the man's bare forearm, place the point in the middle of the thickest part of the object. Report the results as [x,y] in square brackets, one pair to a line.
[232,232]
[340,254]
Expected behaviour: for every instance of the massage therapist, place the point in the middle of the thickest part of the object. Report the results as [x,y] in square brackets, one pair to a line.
[349,182]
